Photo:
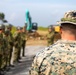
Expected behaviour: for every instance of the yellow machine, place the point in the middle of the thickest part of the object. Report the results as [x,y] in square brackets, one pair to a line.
[57,28]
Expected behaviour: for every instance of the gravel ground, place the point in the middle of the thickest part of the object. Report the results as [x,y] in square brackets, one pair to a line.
[23,67]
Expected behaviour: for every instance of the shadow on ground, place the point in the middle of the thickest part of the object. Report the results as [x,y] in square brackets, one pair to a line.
[23,67]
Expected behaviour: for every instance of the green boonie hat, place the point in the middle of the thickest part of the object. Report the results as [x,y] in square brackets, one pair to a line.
[69,17]
[67,22]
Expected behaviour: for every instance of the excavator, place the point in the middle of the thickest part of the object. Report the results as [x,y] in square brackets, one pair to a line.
[31,27]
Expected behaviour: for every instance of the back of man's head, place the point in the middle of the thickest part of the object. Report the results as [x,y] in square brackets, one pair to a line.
[68,22]
[69,27]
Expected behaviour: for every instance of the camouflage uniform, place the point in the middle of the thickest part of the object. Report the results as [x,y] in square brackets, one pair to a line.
[2,49]
[50,38]
[23,36]
[8,51]
[57,36]
[58,59]
[5,51]
[17,45]
[50,35]
[11,40]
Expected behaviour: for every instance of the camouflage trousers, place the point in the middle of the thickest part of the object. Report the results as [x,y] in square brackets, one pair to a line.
[6,58]
[10,55]
[23,47]
[17,52]
[1,61]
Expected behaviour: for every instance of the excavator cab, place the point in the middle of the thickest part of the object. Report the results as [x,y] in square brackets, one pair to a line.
[34,26]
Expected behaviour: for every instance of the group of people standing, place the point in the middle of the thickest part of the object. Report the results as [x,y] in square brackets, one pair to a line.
[11,46]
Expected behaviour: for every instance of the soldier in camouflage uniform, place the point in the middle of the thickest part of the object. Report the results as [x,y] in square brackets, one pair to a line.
[23,36]
[17,44]
[7,51]
[57,36]
[50,35]
[2,48]
[59,58]
[11,40]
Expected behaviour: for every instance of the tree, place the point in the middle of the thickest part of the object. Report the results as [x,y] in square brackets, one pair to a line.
[5,21]
[2,16]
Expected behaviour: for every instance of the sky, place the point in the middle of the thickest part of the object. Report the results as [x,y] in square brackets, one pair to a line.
[44,12]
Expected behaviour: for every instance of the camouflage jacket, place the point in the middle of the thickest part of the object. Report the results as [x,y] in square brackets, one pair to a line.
[17,39]
[50,38]
[23,36]
[58,59]
[7,39]
[57,36]
[2,44]
[11,39]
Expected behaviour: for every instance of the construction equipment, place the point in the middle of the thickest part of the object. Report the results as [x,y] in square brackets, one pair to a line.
[31,27]
[57,28]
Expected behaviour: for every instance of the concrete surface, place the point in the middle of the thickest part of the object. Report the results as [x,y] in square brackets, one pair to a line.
[23,67]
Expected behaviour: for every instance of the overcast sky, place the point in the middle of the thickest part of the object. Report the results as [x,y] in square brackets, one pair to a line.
[44,12]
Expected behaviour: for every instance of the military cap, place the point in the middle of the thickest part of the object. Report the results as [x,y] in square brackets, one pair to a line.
[67,22]
[9,26]
[69,18]
[1,26]
[18,28]
[51,27]
[6,24]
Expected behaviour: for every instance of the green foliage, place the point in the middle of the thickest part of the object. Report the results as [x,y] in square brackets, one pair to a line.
[13,30]
[2,16]
[43,28]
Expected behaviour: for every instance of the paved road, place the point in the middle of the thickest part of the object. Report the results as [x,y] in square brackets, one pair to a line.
[23,67]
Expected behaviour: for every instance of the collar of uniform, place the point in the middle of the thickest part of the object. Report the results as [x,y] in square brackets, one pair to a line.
[66,41]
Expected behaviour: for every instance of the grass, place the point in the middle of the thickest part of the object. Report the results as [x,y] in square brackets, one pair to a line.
[42,28]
